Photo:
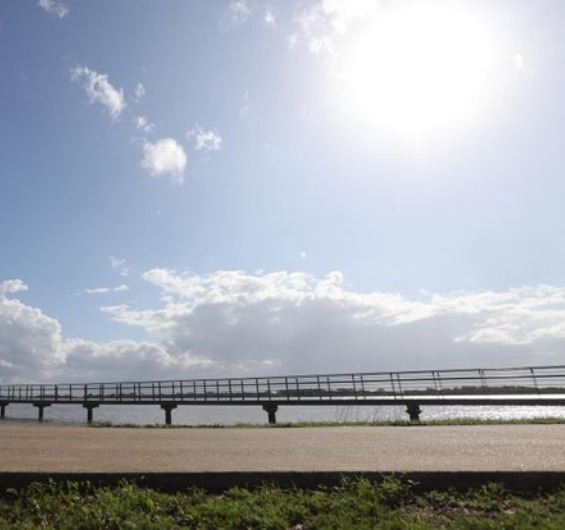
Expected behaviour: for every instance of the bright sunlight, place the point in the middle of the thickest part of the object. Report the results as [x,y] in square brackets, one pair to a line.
[418,70]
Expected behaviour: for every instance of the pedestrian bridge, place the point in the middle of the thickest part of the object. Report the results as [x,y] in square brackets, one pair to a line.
[511,386]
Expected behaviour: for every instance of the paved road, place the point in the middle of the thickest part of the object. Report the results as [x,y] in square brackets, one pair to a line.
[51,448]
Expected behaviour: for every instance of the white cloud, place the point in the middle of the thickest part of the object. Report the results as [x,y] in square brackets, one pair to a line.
[297,322]
[327,20]
[29,340]
[102,290]
[139,92]
[100,90]
[236,13]
[54,7]
[126,360]
[235,323]
[269,18]
[119,265]
[204,140]
[33,349]
[518,62]
[165,158]
[143,124]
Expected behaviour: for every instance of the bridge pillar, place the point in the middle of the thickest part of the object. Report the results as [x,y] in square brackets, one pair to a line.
[41,407]
[3,410]
[271,410]
[168,407]
[414,411]
[89,408]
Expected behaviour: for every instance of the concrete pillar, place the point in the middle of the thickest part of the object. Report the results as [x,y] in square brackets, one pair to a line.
[89,408]
[40,407]
[414,411]
[3,410]
[168,407]
[271,410]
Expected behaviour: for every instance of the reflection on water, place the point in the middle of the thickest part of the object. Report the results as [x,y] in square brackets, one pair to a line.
[231,415]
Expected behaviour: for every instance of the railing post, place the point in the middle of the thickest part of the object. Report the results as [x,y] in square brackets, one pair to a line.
[534,379]
[392,383]
[3,406]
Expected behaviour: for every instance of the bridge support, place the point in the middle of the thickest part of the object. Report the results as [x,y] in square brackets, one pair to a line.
[168,408]
[271,410]
[414,411]
[89,408]
[3,406]
[41,407]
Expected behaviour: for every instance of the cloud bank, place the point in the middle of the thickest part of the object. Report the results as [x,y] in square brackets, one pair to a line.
[234,323]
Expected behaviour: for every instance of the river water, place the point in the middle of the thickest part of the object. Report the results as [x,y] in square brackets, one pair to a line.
[232,415]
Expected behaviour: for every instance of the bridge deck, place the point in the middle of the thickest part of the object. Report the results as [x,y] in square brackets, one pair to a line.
[540,385]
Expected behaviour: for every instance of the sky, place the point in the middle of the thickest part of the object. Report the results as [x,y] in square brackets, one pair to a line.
[247,188]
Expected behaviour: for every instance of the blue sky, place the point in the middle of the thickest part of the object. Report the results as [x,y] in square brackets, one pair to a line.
[195,189]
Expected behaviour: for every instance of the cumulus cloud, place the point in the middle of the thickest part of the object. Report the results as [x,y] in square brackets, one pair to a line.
[33,349]
[518,62]
[126,360]
[119,265]
[236,13]
[232,323]
[326,20]
[29,340]
[269,18]
[103,290]
[143,124]
[165,158]
[100,90]
[54,7]
[204,140]
[296,322]
[139,92]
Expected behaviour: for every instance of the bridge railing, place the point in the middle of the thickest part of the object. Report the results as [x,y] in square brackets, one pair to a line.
[329,387]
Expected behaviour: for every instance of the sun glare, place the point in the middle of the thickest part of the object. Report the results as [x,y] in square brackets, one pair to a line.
[418,69]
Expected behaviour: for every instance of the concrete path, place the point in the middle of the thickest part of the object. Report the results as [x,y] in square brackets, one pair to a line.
[43,448]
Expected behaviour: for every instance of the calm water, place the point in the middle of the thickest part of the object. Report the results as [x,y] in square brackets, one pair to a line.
[230,415]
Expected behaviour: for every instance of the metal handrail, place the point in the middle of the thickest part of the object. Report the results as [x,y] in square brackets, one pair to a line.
[360,386]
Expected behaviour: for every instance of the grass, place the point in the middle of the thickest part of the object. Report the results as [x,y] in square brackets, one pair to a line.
[355,504]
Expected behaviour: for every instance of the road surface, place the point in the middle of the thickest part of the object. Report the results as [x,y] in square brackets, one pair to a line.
[44,448]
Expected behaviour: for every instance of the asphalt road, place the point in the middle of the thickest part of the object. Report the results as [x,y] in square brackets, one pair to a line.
[44,448]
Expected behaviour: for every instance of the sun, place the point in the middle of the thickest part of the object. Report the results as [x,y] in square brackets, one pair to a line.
[418,69]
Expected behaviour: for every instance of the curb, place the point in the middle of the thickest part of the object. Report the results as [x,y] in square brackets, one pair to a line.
[218,481]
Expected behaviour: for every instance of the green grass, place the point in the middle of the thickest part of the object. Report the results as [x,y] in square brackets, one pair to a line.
[355,504]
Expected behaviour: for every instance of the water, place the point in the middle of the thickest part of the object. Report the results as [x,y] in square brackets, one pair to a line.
[231,415]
